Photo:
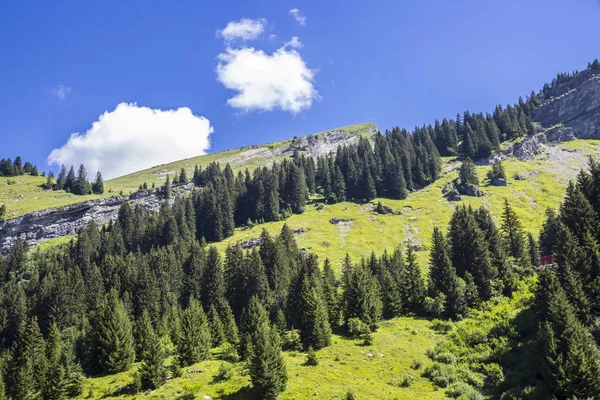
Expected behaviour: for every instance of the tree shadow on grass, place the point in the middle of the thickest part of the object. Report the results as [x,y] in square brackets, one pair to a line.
[244,393]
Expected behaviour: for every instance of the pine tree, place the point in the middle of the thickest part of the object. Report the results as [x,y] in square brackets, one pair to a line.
[577,213]
[253,316]
[56,381]
[217,330]
[361,296]
[143,326]
[152,370]
[183,179]
[570,360]
[230,328]
[62,178]
[193,341]
[533,250]
[112,344]
[212,283]
[442,276]
[468,173]
[315,330]
[98,185]
[330,294]
[268,372]
[27,361]
[82,185]
[548,233]
[513,234]
[411,283]
[71,180]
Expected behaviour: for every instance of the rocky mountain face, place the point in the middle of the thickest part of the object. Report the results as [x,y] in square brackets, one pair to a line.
[40,226]
[575,104]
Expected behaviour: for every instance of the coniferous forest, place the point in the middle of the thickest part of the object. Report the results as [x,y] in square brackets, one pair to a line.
[149,287]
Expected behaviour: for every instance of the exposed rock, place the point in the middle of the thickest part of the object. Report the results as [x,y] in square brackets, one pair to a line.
[468,190]
[454,195]
[498,181]
[300,230]
[336,220]
[528,147]
[388,209]
[521,176]
[560,134]
[251,243]
[574,104]
[40,226]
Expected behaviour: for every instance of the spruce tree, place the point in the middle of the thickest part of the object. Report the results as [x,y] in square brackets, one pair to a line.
[26,372]
[468,173]
[513,234]
[98,185]
[362,299]
[533,250]
[112,344]
[268,372]
[253,316]
[143,326]
[62,178]
[330,294]
[193,341]
[56,381]
[230,328]
[2,388]
[548,233]
[82,185]
[315,330]
[152,370]
[570,360]
[183,179]
[217,330]
[411,283]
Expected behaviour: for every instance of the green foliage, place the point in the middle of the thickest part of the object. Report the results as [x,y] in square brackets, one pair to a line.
[224,373]
[193,337]
[357,328]
[153,373]
[468,174]
[314,329]
[112,347]
[311,358]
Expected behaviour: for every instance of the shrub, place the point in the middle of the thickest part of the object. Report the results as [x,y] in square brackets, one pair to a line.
[311,358]
[441,326]
[367,339]
[440,374]
[493,372]
[464,391]
[357,328]
[291,341]
[224,373]
[407,381]
[435,306]
[416,365]
[350,395]
[229,353]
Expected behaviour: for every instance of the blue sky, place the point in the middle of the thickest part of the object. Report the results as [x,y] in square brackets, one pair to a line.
[391,62]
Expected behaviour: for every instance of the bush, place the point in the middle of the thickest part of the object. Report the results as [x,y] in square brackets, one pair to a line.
[357,328]
[441,326]
[224,373]
[175,370]
[435,306]
[493,372]
[407,381]
[441,375]
[311,358]
[350,395]
[368,339]
[291,341]
[464,391]
[229,353]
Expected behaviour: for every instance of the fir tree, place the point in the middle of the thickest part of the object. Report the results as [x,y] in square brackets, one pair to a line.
[193,341]
[62,178]
[82,185]
[315,330]
[183,179]
[56,381]
[549,232]
[230,329]
[217,330]
[330,294]
[468,173]
[266,364]
[533,250]
[98,185]
[111,336]
[71,181]
[412,284]
[513,235]
[253,316]
[143,326]
[361,296]
[152,370]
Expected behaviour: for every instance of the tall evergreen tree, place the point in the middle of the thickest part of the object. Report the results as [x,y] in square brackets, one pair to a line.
[98,185]
[112,347]
[361,296]
[152,370]
[315,330]
[55,387]
[513,234]
[468,173]
[217,330]
[268,372]
[193,341]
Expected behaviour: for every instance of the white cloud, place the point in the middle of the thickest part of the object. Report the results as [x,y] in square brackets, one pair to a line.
[61,91]
[132,138]
[295,43]
[265,82]
[301,19]
[244,29]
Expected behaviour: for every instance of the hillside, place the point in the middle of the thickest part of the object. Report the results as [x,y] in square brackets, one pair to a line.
[25,195]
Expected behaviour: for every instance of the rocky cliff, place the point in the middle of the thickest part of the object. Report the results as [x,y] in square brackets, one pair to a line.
[574,104]
[40,226]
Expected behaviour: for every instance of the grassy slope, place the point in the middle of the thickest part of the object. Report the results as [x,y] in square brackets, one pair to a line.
[26,195]
[402,341]
[424,209]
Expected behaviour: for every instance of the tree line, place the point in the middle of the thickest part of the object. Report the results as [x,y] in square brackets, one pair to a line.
[16,168]
[77,184]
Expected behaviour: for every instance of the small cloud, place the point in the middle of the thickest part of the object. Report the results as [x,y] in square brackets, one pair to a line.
[274,36]
[295,43]
[131,138]
[61,91]
[301,19]
[265,82]
[244,29]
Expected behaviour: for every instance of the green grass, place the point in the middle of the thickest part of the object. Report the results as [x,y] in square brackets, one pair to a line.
[402,341]
[26,195]
[426,208]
